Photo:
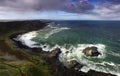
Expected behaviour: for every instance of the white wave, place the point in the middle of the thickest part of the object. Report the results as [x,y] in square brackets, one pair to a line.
[52,29]
[114,54]
[104,63]
[90,65]
[99,69]
[55,30]
[26,39]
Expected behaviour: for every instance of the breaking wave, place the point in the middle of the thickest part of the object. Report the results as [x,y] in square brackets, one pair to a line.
[114,54]
[45,33]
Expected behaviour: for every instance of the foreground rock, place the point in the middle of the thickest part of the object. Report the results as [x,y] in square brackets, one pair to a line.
[91,51]
[55,53]
[74,65]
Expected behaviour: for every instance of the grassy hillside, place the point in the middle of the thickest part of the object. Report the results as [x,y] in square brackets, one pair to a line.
[16,62]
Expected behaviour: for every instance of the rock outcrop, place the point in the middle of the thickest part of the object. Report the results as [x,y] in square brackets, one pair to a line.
[74,65]
[55,53]
[91,51]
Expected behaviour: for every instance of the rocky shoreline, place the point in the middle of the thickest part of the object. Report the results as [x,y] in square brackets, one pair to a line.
[20,60]
[57,68]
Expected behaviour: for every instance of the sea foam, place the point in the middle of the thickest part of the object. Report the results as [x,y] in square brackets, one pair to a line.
[26,39]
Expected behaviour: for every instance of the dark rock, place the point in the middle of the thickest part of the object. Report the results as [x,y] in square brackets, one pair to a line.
[78,66]
[74,65]
[67,52]
[91,51]
[55,53]
[36,50]
[44,46]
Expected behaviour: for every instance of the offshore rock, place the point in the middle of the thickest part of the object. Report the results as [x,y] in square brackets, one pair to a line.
[91,51]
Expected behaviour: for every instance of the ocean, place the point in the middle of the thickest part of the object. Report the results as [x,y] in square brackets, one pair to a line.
[74,36]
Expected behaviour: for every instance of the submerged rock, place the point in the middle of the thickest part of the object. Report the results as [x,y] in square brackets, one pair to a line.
[91,51]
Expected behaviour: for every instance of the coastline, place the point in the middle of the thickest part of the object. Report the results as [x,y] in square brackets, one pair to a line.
[53,61]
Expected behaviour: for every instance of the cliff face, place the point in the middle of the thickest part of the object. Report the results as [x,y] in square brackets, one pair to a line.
[21,25]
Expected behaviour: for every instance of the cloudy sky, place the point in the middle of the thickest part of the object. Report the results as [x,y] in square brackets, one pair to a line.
[60,9]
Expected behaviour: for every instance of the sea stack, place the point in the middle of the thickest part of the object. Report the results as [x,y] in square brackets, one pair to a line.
[91,51]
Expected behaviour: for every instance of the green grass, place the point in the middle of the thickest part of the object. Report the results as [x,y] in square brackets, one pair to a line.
[6,70]
[31,65]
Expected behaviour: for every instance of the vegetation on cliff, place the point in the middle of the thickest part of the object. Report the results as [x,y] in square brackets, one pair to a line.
[15,61]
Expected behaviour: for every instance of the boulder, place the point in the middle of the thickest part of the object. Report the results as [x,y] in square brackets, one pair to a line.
[74,65]
[55,53]
[91,51]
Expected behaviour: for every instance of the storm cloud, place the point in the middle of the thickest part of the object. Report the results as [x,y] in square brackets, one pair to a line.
[98,9]
[109,8]
[51,5]
[113,1]
[80,6]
